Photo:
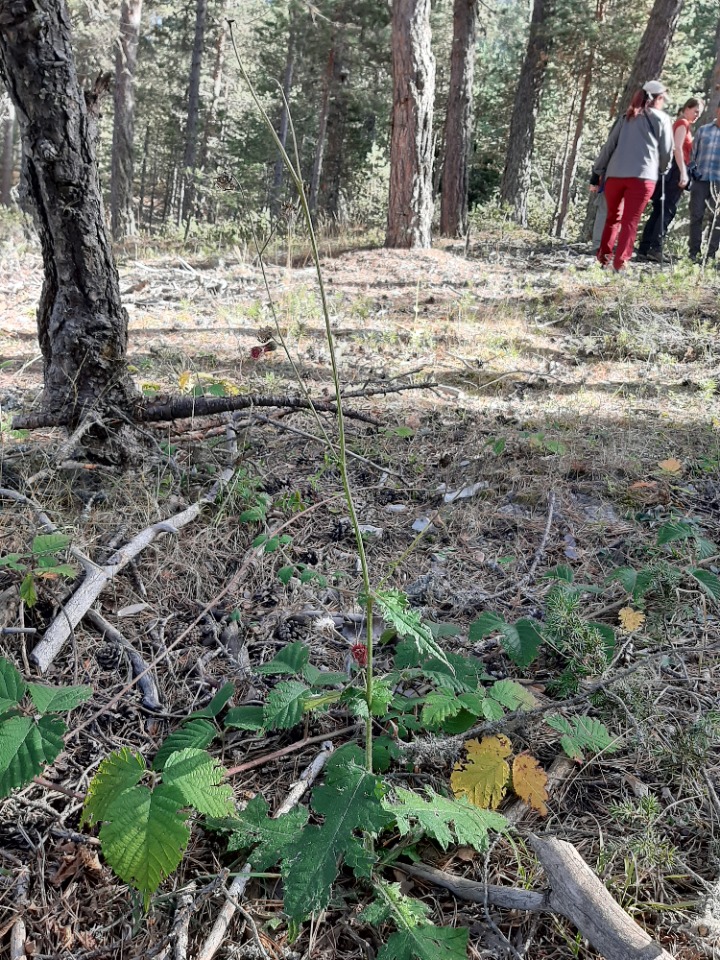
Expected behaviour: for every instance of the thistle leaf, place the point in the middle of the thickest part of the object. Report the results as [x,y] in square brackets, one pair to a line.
[444,819]
[511,695]
[582,733]
[426,942]
[253,827]
[407,623]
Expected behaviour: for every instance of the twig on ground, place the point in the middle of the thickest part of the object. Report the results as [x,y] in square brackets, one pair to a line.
[146,682]
[237,887]
[181,922]
[292,748]
[543,543]
[66,447]
[18,934]
[80,602]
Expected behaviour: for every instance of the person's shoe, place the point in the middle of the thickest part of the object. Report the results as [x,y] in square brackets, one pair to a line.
[640,257]
[654,256]
[620,269]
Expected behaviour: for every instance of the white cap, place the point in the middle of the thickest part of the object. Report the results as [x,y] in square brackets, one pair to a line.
[653,88]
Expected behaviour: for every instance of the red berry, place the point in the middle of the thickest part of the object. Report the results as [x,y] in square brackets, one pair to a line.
[256,353]
[359,654]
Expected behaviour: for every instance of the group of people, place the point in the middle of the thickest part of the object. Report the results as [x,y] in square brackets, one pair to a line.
[648,158]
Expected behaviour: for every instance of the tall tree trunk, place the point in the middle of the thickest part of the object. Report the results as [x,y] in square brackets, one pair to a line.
[82,326]
[279,171]
[331,183]
[515,184]
[210,129]
[322,129]
[713,83]
[459,124]
[143,178]
[122,220]
[8,156]
[193,111]
[413,66]
[655,43]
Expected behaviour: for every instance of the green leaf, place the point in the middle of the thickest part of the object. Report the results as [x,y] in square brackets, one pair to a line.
[253,514]
[245,718]
[511,695]
[146,838]
[57,699]
[382,694]
[426,942]
[521,641]
[12,686]
[26,747]
[349,800]
[285,574]
[445,820]
[291,659]
[284,706]
[198,779]
[439,706]
[198,733]
[625,576]
[407,623]
[116,774]
[28,592]
[252,827]
[582,733]
[47,568]
[259,540]
[485,624]
[705,548]
[215,707]
[11,560]
[48,543]
[674,530]
[561,572]
[394,903]
[708,582]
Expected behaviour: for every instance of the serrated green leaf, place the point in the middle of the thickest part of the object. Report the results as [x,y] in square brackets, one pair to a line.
[285,574]
[259,540]
[705,548]
[55,570]
[582,733]
[439,706]
[674,530]
[25,748]
[198,779]
[252,827]
[291,659]
[198,733]
[11,560]
[445,820]
[57,699]
[709,583]
[116,774]
[426,942]
[382,694]
[12,686]
[48,543]
[216,705]
[28,593]
[322,678]
[349,800]
[626,576]
[485,624]
[146,839]
[394,607]
[561,572]
[530,639]
[392,902]
[245,718]
[511,695]
[285,705]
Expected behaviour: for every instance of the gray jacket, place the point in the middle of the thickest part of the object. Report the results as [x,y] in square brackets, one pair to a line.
[641,147]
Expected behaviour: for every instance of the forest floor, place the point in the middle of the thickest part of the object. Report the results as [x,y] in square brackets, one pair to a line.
[575,413]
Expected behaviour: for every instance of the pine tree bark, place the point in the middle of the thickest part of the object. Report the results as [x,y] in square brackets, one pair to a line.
[515,184]
[122,219]
[410,205]
[82,327]
[459,124]
[8,157]
[331,183]
[655,43]
[210,129]
[193,112]
[279,171]
[322,130]
[713,83]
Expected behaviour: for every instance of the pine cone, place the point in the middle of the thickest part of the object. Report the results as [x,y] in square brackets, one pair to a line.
[293,629]
[108,656]
[265,334]
[266,596]
[341,531]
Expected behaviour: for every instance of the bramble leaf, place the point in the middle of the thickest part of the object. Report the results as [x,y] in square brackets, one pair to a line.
[214,708]
[483,777]
[116,774]
[57,699]
[49,543]
[26,747]
[284,705]
[511,695]
[245,718]
[197,777]
[12,686]
[291,659]
[197,733]
[709,583]
[530,782]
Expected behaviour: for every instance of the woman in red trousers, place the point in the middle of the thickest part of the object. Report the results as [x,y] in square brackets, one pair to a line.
[637,152]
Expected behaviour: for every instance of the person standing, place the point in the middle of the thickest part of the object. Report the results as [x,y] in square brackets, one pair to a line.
[669,190]
[705,190]
[637,152]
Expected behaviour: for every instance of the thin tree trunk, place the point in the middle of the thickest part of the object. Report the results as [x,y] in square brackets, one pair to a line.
[459,124]
[122,220]
[410,205]
[8,157]
[153,188]
[713,83]
[515,184]
[143,174]
[82,326]
[279,171]
[210,129]
[322,129]
[191,128]
[565,155]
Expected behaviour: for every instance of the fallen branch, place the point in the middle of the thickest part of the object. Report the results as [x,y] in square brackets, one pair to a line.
[237,887]
[575,893]
[146,682]
[96,579]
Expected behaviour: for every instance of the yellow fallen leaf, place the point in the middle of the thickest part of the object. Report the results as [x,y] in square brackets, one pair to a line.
[671,465]
[483,777]
[530,782]
[184,380]
[630,619]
